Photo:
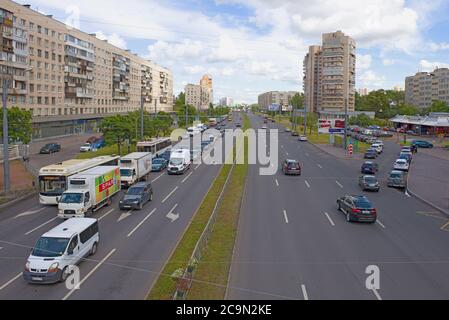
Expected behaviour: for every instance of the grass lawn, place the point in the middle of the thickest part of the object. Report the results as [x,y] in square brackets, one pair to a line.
[106,151]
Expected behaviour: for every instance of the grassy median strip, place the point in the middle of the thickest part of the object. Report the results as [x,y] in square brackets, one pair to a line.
[165,285]
[211,276]
[107,151]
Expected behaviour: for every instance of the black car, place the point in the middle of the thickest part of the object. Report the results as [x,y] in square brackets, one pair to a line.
[136,196]
[369,167]
[370,154]
[357,208]
[159,164]
[291,167]
[50,148]
[295,134]
[369,183]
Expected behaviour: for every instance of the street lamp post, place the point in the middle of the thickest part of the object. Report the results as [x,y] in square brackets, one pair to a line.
[141,117]
[6,180]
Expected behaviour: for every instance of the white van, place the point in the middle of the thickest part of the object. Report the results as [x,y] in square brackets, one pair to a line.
[63,246]
[180,161]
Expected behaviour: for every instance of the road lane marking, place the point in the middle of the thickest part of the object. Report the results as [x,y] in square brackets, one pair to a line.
[339,184]
[142,222]
[286,154]
[185,179]
[10,281]
[169,195]
[173,217]
[319,166]
[377,294]
[380,224]
[107,213]
[89,274]
[330,220]
[285,217]
[157,177]
[197,166]
[125,215]
[445,226]
[29,212]
[307,184]
[277,182]
[304,292]
[42,225]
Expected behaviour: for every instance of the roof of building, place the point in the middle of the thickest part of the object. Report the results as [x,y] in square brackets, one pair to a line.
[432,120]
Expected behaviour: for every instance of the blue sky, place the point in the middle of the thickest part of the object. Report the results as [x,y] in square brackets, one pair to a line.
[253,46]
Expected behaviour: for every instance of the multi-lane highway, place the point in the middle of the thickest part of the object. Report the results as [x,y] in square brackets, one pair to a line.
[133,245]
[292,243]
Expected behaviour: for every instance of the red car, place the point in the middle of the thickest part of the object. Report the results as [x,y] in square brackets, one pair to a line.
[291,167]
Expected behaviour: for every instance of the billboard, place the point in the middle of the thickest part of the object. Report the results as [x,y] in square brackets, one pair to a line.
[331,125]
[273,107]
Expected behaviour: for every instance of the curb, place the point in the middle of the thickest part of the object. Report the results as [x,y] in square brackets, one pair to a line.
[331,154]
[13,202]
[429,203]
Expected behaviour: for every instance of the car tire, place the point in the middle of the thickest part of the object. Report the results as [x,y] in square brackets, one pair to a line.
[94,249]
[348,217]
[151,196]
[140,206]
[64,275]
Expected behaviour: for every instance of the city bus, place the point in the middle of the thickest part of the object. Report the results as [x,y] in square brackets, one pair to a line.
[53,178]
[156,146]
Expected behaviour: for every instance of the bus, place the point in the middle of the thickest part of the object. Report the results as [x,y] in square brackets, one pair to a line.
[156,146]
[53,178]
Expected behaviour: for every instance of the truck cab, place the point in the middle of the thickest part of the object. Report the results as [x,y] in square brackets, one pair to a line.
[74,203]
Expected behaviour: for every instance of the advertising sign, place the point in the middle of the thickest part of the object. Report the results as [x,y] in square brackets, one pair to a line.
[273,107]
[107,184]
[331,126]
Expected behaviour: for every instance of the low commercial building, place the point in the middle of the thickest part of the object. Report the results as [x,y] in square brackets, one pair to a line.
[433,124]
[69,79]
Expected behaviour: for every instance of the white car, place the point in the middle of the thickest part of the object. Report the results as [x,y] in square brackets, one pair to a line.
[401,164]
[264,128]
[303,138]
[86,147]
[63,246]
[288,130]
[379,148]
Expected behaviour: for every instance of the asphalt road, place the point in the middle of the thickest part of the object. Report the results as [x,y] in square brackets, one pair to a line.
[292,243]
[133,247]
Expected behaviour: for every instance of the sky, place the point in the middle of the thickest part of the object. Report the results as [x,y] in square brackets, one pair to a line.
[253,46]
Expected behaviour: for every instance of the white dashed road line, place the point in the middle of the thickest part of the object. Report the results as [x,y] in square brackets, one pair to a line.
[380,224]
[304,292]
[377,295]
[157,178]
[185,179]
[339,184]
[277,182]
[170,194]
[319,166]
[10,281]
[89,274]
[307,184]
[141,223]
[330,220]
[40,226]
[285,217]
[106,214]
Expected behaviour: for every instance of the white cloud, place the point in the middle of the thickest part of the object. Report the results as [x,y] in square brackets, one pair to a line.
[113,39]
[388,62]
[439,46]
[363,61]
[262,68]
[194,70]
[427,66]
[187,49]
[369,79]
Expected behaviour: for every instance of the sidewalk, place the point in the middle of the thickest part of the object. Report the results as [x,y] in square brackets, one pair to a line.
[429,178]
[21,179]
[338,152]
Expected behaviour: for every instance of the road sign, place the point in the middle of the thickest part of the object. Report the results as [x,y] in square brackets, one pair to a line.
[336,130]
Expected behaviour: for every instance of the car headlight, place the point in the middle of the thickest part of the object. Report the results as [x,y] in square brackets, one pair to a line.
[61,211]
[27,266]
[53,267]
[79,211]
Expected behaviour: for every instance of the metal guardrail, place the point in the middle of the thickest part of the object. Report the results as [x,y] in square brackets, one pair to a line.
[185,281]
[13,150]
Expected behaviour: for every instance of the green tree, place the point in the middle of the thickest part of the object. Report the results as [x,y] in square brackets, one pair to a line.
[118,128]
[297,101]
[19,124]
[438,106]
[180,100]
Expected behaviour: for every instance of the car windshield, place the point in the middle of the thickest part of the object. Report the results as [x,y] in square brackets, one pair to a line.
[71,198]
[126,172]
[370,180]
[50,247]
[134,191]
[175,161]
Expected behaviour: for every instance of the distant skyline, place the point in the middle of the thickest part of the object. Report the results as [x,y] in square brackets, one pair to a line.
[253,46]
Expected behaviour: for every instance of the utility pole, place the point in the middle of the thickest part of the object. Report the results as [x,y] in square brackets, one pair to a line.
[187,116]
[155,107]
[345,139]
[141,117]
[5,138]
[305,119]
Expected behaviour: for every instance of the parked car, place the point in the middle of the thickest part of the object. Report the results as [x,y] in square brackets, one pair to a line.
[397,179]
[411,132]
[291,167]
[86,147]
[50,148]
[63,246]
[136,196]
[406,155]
[422,144]
[158,164]
[295,134]
[369,167]
[357,208]
[401,164]
[369,183]
[91,139]
[303,138]
[288,130]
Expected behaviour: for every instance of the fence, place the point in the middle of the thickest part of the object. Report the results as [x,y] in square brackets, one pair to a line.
[13,150]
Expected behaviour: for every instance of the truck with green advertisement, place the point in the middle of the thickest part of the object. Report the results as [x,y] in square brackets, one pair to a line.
[89,191]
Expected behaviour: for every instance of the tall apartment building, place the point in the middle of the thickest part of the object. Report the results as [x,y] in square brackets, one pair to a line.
[69,79]
[329,74]
[200,96]
[425,87]
[226,102]
[280,98]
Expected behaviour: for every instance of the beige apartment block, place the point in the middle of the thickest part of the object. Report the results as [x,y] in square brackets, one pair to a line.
[64,74]
[329,74]
[202,95]
[280,98]
[425,87]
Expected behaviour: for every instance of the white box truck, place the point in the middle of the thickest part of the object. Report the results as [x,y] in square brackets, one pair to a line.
[135,167]
[180,161]
[89,191]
